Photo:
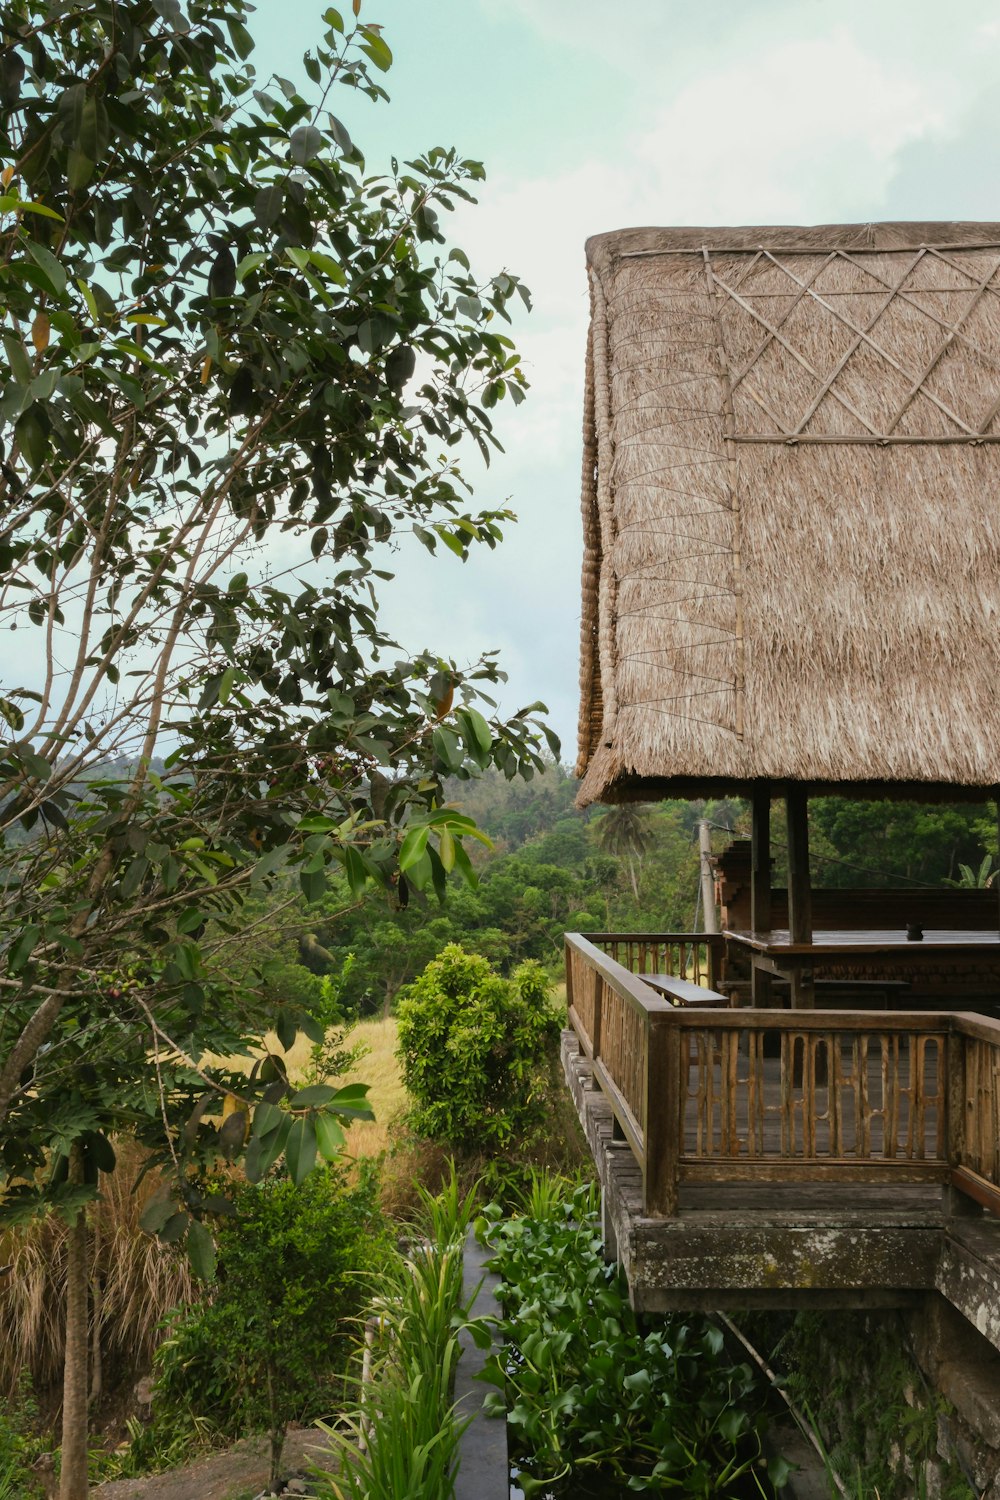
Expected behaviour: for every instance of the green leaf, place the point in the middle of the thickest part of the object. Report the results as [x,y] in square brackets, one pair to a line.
[12,204]
[413,847]
[313,883]
[267,1117]
[32,430]
[341,136]
[330,1137]
[175,1228]
[50,268]
[79,170]
[251,262]
[90,300]
[446,849]
[21,948]
[326,263]
[352,1100]
[300,1149]
[476,734]
[376,48]
[267,206]
[312,1097]
[94,129]
[264,1150]
[304,144]
[18,359]
[241,38]
[156,1213]
[201,1251]
[12,714]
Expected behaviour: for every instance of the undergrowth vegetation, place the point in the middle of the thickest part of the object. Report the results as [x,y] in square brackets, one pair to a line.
[401,1435]
[590,1394]
[135,1281]
[271,1344]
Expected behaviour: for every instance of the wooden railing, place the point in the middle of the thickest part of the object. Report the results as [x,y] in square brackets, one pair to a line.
[765,1096]
[694,956]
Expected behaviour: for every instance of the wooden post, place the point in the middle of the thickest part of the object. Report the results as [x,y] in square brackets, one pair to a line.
[711,920]
[956,1203]
[799,891]
[595,1040]
[568,957]
[760,884]
[661,1136]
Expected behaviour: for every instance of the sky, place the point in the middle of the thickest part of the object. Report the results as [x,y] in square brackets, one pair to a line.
[592,117]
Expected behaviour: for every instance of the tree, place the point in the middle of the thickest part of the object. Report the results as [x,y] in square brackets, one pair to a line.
[272,1346]
[236,368]
[624,832]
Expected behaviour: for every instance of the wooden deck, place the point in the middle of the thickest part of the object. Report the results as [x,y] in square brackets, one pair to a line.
[779,1158]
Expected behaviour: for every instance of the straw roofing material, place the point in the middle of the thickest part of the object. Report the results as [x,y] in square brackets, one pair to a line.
[790,496]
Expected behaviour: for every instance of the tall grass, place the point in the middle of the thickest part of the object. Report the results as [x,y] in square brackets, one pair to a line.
[136,1281]
[400,1441]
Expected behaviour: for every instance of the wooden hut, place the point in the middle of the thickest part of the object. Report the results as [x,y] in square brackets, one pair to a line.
[791,585]
[791,582]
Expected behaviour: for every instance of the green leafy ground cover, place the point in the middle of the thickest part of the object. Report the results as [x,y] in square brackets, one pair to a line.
[596,1404]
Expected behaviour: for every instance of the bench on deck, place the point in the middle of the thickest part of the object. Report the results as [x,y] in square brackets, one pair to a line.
[850,994]
[683,992]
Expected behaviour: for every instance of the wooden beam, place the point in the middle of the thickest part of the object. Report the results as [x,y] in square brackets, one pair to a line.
[799,890]
[760,884]
[760,860]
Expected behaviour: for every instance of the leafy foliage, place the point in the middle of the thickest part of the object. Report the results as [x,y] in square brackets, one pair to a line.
[895,843]
[587,1392]
[268,1347]
[473,1047]
[236,367]
[232,358]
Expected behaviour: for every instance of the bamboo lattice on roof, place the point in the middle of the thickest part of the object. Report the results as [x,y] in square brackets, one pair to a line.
[791,519]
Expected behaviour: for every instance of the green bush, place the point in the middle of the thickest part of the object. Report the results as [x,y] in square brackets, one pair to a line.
[20,1447]
[272,1344]
[474,1048]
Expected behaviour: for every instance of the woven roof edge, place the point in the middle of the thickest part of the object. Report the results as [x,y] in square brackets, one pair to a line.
[899,234]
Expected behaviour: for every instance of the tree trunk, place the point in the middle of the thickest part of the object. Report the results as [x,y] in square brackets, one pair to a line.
[97,1303]
[276,1432]
[73,1465]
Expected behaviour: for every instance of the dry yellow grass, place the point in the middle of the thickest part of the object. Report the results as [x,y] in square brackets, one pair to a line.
[379,1069]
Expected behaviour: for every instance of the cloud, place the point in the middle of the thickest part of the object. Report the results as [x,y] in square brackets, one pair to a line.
[806,130]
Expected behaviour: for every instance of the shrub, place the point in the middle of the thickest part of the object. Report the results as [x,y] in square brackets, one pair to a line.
[474,1048]
[270,1345]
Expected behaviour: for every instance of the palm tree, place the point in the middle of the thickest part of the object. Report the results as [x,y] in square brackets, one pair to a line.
[625,833]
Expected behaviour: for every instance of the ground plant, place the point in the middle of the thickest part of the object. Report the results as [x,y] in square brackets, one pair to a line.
[474,1048]
[401,1438]
[590,1396]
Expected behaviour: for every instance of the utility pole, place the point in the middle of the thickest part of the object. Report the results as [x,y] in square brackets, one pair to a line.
[711,921]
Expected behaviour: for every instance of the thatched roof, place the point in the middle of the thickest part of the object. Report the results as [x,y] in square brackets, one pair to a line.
[792,510]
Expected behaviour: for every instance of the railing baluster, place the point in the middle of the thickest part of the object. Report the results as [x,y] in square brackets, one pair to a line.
[853,1097]
[664,1102]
